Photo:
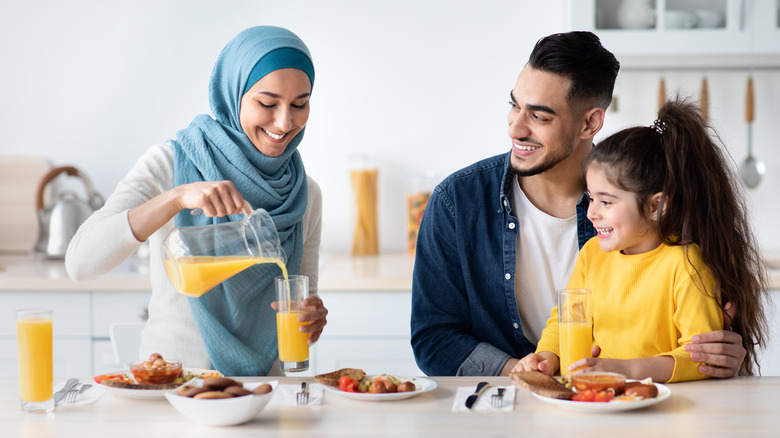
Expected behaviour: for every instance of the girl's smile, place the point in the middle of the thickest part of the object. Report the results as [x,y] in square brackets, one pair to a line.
[620,224]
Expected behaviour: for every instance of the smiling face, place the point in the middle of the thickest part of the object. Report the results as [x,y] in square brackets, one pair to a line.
[275,109]
[542,126]
[620,224]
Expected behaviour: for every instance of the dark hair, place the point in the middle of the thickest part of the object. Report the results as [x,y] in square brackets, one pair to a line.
[580,57]
[702,202]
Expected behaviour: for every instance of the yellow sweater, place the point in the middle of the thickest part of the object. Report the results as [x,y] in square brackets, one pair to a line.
[644,305]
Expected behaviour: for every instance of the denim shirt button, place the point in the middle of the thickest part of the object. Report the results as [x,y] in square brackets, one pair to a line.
[511,225]
[516,326]
[508,276]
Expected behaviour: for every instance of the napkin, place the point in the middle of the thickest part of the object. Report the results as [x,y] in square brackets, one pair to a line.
[483,402]
[87,397]
[286,395]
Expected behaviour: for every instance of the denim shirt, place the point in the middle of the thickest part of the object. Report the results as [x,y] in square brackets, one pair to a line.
[464,312]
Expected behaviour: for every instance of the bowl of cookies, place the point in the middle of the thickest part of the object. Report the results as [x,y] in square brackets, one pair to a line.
[221,401]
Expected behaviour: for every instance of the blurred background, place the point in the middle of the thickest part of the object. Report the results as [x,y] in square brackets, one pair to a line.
[421,86]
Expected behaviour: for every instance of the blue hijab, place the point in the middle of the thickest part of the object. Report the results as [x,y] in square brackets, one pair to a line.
[235,319]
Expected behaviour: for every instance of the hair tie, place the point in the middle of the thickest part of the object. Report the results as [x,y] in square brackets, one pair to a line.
[659,126]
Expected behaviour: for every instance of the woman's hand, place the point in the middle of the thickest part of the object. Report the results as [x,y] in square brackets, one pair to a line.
[315,314]
[544,361]
[214,198]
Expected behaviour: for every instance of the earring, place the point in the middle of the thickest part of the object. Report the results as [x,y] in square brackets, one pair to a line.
[655,216]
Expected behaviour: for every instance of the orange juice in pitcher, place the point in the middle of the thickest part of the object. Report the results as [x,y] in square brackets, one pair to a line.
[198,258]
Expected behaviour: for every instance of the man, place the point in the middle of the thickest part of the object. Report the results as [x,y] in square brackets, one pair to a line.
[500,236]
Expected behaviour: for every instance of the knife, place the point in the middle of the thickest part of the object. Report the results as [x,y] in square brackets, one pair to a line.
[61,393]
[473,397]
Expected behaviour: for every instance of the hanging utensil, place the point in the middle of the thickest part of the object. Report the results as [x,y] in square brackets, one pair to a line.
[704,101]
[751,169]
[661,93]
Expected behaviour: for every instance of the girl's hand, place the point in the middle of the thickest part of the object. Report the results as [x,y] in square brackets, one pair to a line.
[214,198]
[537,362]
[659,368]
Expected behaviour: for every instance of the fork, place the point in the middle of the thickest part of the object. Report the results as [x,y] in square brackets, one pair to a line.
[497,400]
[71,396]
[302,398]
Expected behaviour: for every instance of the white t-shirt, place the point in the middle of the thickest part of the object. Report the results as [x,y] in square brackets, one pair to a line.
[546,252]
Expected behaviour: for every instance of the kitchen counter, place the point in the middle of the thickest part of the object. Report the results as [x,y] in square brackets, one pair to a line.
[744,406]
[338,272]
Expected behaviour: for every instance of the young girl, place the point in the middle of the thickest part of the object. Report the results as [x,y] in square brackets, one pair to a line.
[673,246]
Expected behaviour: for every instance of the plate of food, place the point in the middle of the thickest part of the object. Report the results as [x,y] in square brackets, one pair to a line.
[151,379]
[595,392]
[354,383]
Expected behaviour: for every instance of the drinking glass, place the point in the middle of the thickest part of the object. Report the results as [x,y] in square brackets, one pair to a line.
[293,344]
[34,339]
[574,325]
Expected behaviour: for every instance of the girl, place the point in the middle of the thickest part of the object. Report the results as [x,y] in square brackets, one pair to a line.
[248,150]
[673,246]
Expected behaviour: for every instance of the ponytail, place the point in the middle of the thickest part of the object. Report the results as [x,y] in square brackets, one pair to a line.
[702,203]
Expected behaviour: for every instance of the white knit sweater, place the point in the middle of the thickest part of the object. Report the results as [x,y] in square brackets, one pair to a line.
[105,240]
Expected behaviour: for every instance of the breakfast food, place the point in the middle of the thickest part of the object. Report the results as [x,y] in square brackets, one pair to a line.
[542,384]
[156,370]
[639,389]
[588,387]
[355,380]
[221,388]
[332,379]
[598,381]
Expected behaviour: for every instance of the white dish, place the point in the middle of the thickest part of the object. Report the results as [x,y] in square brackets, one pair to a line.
[221,412]
[422,384]
[613,406]
[147,394]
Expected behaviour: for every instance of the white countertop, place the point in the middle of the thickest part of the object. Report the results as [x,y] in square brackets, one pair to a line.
[338,272]
[742,406]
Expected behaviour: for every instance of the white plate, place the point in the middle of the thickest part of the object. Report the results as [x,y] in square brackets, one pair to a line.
[422,384]
[147,394]
[613,406]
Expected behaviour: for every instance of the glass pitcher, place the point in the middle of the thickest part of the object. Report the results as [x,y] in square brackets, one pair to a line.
[199,258]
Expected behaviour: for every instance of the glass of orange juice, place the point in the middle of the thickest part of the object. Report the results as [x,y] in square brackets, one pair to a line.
[293,343]
[574,326]
[34,339]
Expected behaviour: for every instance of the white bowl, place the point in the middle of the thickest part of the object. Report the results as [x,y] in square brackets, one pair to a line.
[221,412]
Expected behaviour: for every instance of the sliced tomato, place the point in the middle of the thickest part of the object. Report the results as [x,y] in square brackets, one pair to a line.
[120,377]
[346,383]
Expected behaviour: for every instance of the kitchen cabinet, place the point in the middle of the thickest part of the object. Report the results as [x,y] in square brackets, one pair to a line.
[368,330]
[72,341]
[697,33]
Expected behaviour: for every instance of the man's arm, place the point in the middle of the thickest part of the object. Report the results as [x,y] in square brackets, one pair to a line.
[441,317]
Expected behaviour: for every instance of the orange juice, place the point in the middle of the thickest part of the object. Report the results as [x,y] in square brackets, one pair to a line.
[293,346]
[196,275]
[576,339]
[35,362]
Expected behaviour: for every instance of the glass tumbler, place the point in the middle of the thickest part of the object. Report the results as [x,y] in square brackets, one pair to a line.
[34,339]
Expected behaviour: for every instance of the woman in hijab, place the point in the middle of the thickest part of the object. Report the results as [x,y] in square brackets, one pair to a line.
[248,151]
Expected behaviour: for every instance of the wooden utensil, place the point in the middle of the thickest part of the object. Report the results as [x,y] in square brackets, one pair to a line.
[661,93]
[751,170]
[704,101]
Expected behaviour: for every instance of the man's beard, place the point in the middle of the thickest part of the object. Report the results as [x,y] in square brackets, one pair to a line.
[547,164]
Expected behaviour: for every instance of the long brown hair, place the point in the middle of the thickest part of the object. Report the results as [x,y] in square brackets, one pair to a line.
[702,202]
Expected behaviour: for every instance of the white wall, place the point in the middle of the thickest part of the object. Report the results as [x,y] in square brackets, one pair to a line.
[424,84]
